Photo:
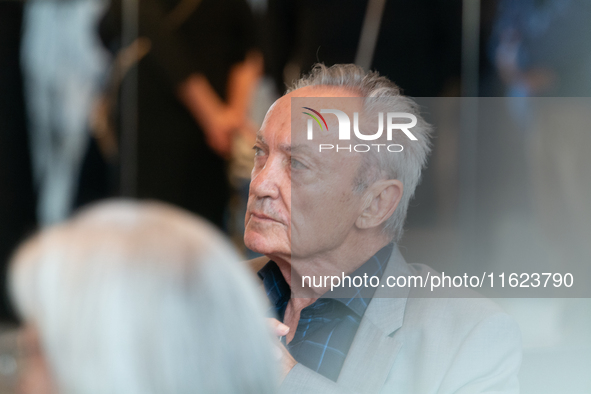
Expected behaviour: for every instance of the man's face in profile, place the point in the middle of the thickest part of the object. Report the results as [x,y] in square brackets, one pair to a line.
[301,203]
[268,214]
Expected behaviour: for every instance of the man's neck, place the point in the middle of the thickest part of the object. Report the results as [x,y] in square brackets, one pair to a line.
[343,260]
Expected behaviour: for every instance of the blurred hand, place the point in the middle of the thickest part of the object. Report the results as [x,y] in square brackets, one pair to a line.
[35,376]
[218,120]
[220,128]
[288,362]
[539,80]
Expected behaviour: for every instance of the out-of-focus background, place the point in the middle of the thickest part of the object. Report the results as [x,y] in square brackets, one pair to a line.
[122,98]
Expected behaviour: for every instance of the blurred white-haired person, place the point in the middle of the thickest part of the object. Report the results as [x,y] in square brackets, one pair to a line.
[140,298]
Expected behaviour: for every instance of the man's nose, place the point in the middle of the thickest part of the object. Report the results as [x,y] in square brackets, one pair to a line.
[266,181]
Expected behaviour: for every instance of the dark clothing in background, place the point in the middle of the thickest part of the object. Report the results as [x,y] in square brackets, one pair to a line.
[174,163]
[418,47]
[17,202]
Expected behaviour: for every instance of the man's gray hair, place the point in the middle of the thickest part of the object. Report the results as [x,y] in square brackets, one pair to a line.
[143,299]
[381,93]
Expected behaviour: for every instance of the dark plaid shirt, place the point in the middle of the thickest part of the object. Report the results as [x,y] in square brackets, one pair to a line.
[327,327]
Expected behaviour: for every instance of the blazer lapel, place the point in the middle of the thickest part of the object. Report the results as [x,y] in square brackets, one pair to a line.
[374,348]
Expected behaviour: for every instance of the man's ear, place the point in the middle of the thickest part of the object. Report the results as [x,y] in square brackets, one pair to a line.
[381,200]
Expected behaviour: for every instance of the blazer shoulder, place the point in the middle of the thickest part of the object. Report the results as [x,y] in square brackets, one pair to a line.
[455,300]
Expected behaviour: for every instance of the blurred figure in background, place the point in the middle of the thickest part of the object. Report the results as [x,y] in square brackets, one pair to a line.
[138,299]
[541,49]
[63,65]
[197,65]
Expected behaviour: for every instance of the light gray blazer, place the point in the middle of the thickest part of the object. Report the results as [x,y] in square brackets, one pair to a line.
[406,344]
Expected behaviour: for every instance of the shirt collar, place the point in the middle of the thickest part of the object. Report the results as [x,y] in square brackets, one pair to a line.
[276,287]
[375,266]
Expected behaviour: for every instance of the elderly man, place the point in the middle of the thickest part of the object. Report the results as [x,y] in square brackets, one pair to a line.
[320,208]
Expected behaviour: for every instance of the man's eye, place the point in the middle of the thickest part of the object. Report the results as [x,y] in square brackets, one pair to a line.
[296,164]
[258,151]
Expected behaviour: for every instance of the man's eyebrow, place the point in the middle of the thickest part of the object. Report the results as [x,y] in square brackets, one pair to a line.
[294,148]
[261,139]
[287,148]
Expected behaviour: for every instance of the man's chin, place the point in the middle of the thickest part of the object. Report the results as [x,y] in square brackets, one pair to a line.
[256,242]
[265,242]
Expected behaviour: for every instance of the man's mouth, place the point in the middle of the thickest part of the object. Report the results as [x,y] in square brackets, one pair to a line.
[263,217]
